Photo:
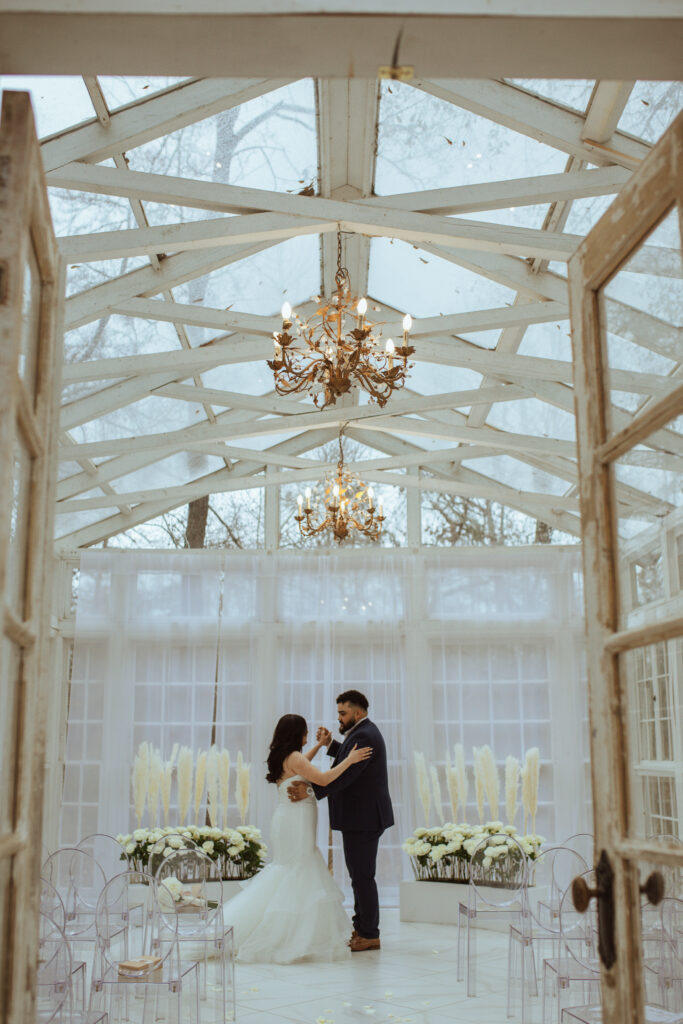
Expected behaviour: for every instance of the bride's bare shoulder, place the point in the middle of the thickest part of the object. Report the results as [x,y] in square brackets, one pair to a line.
[290,766]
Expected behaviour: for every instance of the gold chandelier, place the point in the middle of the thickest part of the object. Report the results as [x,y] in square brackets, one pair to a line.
[349,503]
[331,357]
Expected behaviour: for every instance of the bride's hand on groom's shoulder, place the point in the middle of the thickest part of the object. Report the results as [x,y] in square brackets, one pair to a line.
[357,754]
[297,790]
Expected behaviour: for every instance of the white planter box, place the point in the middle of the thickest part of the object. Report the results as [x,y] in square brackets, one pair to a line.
[437,903]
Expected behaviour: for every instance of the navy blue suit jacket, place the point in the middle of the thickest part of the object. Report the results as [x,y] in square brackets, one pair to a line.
[359,799]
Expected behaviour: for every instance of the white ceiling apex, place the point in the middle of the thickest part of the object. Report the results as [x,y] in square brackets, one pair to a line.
[348,193]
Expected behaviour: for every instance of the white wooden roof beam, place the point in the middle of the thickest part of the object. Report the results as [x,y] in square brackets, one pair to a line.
[343,38]
[89,305]
[221,198]
[146,119]
[539,118]
[604,110]
[112,525]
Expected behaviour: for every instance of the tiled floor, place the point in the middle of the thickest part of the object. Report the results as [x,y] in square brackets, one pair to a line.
[411,980]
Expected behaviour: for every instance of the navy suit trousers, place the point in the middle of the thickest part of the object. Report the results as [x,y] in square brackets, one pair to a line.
[360,853]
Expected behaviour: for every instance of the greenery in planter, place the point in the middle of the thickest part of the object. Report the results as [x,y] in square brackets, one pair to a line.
[238,853]
[444,853]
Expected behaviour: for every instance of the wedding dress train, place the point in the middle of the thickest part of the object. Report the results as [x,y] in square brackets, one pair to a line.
[292,910]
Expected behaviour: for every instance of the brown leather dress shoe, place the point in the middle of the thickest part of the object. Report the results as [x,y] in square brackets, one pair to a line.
[359,944]
[354,933]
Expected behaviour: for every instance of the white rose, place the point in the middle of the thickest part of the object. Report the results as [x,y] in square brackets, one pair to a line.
[175,842]
[139,834]
[233,851]
[419,832]
[130,848]
[208,846]
[168,851]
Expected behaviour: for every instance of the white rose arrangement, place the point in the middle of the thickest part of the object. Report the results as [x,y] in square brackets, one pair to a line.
[444,853]
[238,853]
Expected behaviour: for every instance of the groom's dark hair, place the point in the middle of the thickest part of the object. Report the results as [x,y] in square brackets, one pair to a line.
[354,697]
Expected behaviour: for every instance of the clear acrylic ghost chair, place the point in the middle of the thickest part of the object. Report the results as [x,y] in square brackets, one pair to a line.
[651,918]
[538,932]
[577,963]
[496,886]
[52,907]
[183,878]
[79,880]
[141,970]
[106,850]
[54,976]
[664,971]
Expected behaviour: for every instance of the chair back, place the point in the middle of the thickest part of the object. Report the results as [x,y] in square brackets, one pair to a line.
[53,974]
[498,870]
[579,932]
[79,880]
[51,904]
[131,952]
[106,850]
[554,869]
[183,879]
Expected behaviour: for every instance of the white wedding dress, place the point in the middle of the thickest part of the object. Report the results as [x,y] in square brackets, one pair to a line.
[292,910]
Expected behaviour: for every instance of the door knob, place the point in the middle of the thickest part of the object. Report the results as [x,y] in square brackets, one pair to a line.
[603,892]
[654,888]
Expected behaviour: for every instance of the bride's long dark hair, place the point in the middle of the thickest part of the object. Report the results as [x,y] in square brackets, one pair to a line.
[288,736]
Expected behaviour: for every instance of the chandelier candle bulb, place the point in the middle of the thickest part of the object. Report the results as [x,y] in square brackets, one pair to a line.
[390,353]
[362,309]
[286,313]
[407,324]
[308,497]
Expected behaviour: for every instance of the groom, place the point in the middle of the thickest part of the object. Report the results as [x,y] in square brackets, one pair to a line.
[360,808]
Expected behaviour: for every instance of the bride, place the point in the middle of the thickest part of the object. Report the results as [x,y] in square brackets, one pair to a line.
[292,910]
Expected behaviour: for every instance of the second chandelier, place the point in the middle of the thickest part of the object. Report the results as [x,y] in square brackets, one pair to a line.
[338,350]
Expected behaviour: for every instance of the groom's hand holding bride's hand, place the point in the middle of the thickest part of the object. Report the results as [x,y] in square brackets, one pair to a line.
[323,735]
[297,790]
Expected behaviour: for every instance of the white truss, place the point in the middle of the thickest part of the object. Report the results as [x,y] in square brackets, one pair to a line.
[422,441]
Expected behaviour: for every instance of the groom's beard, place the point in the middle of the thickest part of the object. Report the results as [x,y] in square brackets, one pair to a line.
[345,728]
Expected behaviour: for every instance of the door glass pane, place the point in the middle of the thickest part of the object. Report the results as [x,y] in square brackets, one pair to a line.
[30,322]
[19,526]
[10,668]
[652,680]
[642,316]
[648,482]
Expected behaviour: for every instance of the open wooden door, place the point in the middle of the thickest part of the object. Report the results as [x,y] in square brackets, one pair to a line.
[626,277]
[31,300]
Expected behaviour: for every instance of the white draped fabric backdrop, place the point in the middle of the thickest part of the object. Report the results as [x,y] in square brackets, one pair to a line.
[470,645]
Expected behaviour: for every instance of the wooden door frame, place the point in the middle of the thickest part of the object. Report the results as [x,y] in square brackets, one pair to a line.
[655,188]
[32,414]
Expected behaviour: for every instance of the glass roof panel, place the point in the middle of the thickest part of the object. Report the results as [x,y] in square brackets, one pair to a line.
[151,415]
[548,341]
[269,142]
[514,216]
[431,379]
[425,142]
[531,416]
[253,378]
[260,283]
[410,279]
[172,471]
[517,474]
[585,213]
[119,90]
[114,335]
[651,108]
[59,101]
[574,93]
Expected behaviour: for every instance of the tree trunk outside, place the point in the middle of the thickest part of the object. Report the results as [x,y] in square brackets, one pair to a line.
[197,515]
[544,533]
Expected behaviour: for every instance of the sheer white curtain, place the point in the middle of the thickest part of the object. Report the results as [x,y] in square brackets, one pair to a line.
[470,645]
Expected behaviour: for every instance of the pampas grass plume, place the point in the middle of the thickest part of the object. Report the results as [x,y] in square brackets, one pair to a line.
[242,786]
[461,772]
[490,779]
[452,786]
[199,778]
[166,780]
[423,785]
[479,782]
[436,792]
[511,786]
[212,785]
[533,767]
[224,780]
[185,769]
[140,780]
[156,770]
